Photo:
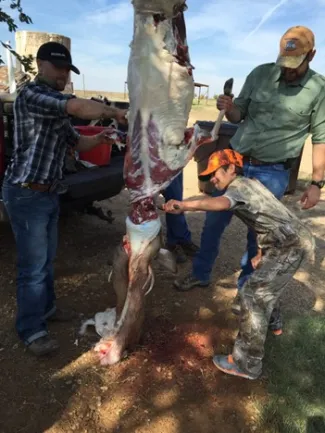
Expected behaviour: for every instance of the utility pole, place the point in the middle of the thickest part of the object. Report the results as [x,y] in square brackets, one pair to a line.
[83,84]
[11,70]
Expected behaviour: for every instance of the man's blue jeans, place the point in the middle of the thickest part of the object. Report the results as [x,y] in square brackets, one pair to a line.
[275,178]
[177,228]
[34,220]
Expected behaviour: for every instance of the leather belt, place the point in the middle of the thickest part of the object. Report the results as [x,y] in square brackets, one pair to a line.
[253,161]
[36,186]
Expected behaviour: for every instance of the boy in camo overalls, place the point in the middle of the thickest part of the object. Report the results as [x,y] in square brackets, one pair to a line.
[283,243]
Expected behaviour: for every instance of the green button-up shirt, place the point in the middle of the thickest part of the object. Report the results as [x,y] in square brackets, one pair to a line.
[277,117]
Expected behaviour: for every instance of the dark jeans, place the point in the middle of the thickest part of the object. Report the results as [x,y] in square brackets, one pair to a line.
[177,229]
[275,178]
[34,219]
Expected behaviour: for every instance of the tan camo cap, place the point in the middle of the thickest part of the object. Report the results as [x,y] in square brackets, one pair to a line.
[294,46]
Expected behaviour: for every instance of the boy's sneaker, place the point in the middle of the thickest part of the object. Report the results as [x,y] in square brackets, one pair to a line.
[277,332]
[227,365]
[188,283]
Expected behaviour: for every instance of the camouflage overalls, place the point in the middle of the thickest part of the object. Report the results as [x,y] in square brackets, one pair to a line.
[285,242]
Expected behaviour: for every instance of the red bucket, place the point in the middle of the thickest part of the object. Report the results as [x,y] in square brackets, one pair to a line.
[101,154]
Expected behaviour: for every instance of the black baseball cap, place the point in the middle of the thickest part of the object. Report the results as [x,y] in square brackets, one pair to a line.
[57,54]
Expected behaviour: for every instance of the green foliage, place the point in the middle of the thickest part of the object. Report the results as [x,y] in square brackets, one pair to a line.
[15,5]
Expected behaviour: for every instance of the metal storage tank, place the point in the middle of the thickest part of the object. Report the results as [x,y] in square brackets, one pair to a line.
[28,43]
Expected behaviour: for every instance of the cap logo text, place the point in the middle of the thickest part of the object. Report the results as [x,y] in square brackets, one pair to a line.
[58,54]
[290,46]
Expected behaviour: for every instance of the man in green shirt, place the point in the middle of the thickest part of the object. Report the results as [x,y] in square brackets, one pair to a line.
[279,105]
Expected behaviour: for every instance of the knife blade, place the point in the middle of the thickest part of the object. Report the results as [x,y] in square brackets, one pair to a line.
[227,88]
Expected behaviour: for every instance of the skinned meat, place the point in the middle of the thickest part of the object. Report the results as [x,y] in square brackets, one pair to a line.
[161,90]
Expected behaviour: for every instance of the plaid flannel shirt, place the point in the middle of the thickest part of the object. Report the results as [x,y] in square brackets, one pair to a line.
[42,134]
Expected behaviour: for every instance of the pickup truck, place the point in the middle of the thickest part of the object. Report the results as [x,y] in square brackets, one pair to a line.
[84,185]
[94,184]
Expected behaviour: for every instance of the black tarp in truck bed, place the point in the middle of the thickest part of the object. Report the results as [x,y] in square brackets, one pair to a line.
[85,186]
[98,182]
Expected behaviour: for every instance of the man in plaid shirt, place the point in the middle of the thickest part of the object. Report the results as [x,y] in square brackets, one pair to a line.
[30,190]
[42,131]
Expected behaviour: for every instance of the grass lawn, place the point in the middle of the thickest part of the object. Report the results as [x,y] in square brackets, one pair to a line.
[295,383]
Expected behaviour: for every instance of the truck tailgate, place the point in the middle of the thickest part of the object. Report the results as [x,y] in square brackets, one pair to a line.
[96,183]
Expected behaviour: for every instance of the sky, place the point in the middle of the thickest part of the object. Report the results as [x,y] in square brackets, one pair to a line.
[227,38]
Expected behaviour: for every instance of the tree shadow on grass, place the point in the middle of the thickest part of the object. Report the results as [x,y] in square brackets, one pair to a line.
[296,385]
[315,424]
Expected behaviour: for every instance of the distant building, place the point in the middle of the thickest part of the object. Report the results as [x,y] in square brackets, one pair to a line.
[20,77]
[28,43]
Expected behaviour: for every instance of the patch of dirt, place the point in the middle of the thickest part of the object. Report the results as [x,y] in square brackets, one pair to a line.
[169,384]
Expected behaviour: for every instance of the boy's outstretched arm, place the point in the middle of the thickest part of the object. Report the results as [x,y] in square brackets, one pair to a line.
[203,204]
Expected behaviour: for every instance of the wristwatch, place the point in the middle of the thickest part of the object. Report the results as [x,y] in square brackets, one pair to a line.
[320,183]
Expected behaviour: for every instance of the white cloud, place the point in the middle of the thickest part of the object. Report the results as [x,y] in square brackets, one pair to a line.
[266,17]
[233,20]
[115,15]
